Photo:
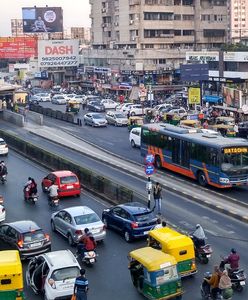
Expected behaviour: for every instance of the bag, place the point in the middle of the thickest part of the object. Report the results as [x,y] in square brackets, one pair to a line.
[73,297]
[227,293]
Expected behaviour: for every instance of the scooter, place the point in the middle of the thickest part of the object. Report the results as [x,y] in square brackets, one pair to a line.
[205,289]
[238,278]
[33,198]
[3,178]
[203,253]
[53,201]
[89,258]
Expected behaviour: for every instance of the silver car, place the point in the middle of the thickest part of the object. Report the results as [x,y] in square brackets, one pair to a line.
[71,222]
[58,99]
[116,118]
[95,120]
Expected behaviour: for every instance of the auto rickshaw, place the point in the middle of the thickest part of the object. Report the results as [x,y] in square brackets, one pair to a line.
[171,118]
[154,274]
[73,106]
[135,122]
[11,277]
[176,244]
[225,130]
[191,123]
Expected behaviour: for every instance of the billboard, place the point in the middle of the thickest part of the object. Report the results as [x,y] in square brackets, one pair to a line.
[58,53]
[18,47]
[42,19]
[194,95]
[194,72]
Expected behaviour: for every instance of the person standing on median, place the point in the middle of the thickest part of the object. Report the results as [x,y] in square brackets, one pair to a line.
[157,192]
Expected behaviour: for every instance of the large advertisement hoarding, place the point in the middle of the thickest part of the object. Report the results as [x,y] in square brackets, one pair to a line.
[58,53]
[18,47]
[42,19]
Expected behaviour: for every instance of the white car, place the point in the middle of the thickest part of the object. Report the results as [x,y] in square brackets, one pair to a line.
[123,107]
[43,97]
[2,213]
[58,99]
[179,111]
[53,274]
[162,106]
[134,137]
[4,149]
[78,98]
[135,110]
[68,96]
[109,104]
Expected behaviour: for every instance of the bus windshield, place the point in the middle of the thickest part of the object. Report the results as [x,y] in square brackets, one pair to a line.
[233,162]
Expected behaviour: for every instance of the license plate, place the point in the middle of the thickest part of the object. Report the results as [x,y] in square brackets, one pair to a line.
[242,283]
[208,255]
[95,230]
[146,232]
[92,260]
[69,186]
[35,245]
[67,287]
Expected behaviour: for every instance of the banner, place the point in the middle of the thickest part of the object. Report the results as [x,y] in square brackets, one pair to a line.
[18,47]
[42,19]
[194,95]
[58,53]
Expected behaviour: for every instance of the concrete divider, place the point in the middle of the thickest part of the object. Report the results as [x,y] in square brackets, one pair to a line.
[13,117]
[101,186]
[32,116]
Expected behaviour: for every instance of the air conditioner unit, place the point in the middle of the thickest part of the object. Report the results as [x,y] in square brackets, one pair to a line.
[133,38]
[103,10]
[131,22]
[103,25]
[116,24]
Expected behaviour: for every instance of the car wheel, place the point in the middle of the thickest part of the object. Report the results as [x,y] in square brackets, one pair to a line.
[43,188]
[70,240]
[202,179]
[115,124]
[85,123]
[127,236]
[53,226]
[105,222]
[133,144]
[133,114]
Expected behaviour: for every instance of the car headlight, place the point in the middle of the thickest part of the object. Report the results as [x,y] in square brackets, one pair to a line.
[224,180]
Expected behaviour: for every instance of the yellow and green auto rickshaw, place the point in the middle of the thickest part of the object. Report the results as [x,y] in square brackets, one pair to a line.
[135,122]
[73,106]
[154,274]
[11,277]
[176,244]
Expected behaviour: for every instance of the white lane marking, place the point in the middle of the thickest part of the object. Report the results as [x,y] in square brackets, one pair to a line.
[211,232]
[215,221]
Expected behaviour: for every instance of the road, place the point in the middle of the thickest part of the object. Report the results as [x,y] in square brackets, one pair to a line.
[116,140]
[110,275]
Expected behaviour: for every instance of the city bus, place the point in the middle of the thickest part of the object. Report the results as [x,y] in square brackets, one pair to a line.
[211,159]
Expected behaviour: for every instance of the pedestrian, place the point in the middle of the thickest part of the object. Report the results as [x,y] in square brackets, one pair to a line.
[236,129]
[205,124]
[81,286]
[157,190]
[4,104]
[225,285]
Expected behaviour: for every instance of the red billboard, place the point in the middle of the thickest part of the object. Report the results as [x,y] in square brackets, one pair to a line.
[18,47]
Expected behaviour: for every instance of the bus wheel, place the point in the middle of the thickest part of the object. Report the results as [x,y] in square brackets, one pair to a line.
[158,163]
[202,179]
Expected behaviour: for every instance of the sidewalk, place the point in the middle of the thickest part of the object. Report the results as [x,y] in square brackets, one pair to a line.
[229,206]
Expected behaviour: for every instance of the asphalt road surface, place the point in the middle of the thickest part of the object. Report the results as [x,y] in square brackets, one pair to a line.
[110,275]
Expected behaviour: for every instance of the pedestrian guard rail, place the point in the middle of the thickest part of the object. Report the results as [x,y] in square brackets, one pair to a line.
[99,184]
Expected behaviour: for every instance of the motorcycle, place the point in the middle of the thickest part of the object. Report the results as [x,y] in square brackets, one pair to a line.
[32,198]
[89,258]
[205,289]
[3,178]
[203,253]
[238,277]
[53,201]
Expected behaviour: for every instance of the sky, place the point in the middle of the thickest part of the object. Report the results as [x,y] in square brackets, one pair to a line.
[74,15]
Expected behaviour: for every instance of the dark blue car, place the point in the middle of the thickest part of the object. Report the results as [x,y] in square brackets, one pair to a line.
[132,220]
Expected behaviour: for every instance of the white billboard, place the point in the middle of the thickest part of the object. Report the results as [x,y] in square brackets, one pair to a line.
[58,53]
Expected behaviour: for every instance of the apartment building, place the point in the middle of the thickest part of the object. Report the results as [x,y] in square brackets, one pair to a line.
[238,20]
[154,34]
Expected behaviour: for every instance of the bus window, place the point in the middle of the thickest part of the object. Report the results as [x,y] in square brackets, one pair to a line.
[176,151]
[145,136]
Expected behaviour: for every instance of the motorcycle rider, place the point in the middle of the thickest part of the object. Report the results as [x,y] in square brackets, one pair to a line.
[53,191]
[3,169]
[214,282]
[199,236]
[30,187]
[86,243]
[231,263]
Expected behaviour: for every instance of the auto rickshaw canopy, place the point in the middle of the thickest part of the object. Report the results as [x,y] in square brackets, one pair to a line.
[191,123]
[174,243]
[152,259]
[135,120]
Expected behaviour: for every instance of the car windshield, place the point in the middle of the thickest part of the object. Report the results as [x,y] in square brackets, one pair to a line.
[68,179]
[97,116]
[86,219]
[32,236]
[65,273]
[120,116]
[2,143]
[144,217]
[233,162]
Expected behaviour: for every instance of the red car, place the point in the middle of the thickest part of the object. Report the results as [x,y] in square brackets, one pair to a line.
[66,181]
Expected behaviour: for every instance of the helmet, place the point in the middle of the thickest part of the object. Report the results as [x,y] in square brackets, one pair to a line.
[197,226]
[86,230]
[233,250]
[29,178]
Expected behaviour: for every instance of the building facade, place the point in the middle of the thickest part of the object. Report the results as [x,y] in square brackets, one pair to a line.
[238,20]
[155,33]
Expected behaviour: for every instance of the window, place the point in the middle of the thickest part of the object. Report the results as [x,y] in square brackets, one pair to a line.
[188,17]
[177,32]
[68,179]
[188,32]
[86,219]
[177,17]
[65,273]
[30,237]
